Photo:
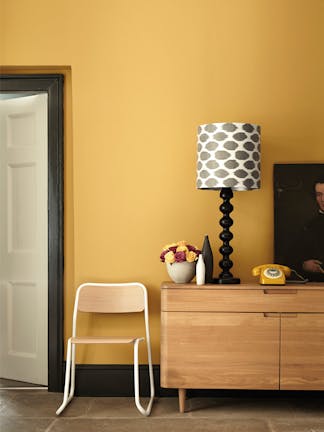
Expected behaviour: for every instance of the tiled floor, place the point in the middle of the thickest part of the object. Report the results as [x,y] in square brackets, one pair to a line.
[34,411]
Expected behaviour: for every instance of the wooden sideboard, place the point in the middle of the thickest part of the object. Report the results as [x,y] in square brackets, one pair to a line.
[243,336]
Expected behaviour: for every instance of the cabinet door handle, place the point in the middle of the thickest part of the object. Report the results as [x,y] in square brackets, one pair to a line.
[279,291]
[271,314]
[289,315]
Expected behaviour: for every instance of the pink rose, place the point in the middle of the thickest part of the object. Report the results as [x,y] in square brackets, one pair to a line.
[180,256]
[193,249]
[163,254]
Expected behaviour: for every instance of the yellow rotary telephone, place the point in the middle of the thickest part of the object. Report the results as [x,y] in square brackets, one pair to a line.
[271,274]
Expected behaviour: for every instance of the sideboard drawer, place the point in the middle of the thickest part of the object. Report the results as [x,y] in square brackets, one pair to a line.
[267,299]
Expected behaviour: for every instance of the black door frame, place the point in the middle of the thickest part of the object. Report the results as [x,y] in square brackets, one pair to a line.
[52,84]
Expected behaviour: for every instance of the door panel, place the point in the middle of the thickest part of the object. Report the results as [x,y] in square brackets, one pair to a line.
[22,330]
[219,350]
[302,352]
[24,268]
[22,180]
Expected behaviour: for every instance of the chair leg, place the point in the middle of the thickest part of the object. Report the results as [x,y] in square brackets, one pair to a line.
[141,409]
[68,388]
[72,373]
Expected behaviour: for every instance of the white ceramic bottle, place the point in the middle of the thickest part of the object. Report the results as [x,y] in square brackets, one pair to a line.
[200,271]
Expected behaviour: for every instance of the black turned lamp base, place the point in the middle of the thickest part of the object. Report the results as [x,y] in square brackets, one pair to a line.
[228,281]
[226,236]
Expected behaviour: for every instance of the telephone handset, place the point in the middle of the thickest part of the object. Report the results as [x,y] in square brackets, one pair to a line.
[271,274]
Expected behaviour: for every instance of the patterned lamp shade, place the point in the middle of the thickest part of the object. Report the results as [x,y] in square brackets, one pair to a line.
[228,156]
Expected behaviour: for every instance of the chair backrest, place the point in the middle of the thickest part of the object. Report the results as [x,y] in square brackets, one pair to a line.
[111,298]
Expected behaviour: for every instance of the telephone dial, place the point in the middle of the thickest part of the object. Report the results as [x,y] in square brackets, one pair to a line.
[271,274]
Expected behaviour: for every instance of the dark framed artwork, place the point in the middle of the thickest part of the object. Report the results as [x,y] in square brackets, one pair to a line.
[299,219]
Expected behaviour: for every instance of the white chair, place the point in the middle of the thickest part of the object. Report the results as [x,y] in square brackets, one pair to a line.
[109,298]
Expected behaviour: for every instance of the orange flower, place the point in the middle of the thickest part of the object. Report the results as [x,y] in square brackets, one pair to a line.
[191,256]
[166,247]
[182,249]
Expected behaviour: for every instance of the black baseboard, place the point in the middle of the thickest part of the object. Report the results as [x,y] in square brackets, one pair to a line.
[118,380]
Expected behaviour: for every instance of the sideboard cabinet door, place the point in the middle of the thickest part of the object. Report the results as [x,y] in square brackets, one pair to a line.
[302,352]
[220,350]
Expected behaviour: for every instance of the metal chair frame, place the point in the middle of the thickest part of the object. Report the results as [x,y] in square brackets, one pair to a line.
[142,305]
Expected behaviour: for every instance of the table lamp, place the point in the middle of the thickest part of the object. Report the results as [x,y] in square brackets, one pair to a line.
[228,160]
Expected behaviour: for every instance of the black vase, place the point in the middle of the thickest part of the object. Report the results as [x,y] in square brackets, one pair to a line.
[208,260]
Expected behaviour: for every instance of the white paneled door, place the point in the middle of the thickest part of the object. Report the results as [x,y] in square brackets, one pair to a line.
[23,239]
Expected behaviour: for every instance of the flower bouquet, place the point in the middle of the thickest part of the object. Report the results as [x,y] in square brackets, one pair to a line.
[180,259]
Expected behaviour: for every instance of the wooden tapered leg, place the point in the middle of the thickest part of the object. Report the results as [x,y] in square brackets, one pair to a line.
[182,399]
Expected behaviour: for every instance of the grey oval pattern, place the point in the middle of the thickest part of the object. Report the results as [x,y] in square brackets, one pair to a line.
[203,137]
[228,156]
[210,128]
[204,155]
[248,183]
[212,164]
[248,145]
[204,174]
[241,173]
[240,136]
[230,182]
[231,145]
[242,155]
[211,183]
[222,154]
[211,145]
[249,165]
[220,136]
[231,164]
[248,128]
[221,173]
[256,156]
[229,127]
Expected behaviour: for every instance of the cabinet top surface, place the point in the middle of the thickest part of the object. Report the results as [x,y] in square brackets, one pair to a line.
[242,286]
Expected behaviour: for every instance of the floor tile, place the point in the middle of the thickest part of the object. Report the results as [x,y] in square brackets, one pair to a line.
[101,425]
[5,397]
[114,407]
[16,424]
[239,407]
[159,425]
[168,407]
[34,411]
[209,425]
[39,404]
[293,425]
[78,407]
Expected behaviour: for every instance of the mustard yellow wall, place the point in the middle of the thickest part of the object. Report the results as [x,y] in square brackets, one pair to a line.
[144,74]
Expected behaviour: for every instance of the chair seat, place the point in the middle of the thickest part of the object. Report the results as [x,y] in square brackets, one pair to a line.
[103,340]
